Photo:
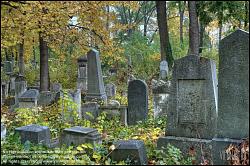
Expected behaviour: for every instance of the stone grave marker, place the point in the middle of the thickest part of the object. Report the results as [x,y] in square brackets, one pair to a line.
[96,89]
[90,110]
[56,87]
[133,150]
[79,135]
[233,94]
[4,90]
[82,73]
[163,69]
[192,108]
[29,99]
[35,134]
[137,101]
[3,131]
[20,86]
[8,67]
[47,98]
[110,90]
[75,95]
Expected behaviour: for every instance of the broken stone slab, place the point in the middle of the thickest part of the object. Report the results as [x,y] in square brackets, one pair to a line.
[35,134]
[130,149]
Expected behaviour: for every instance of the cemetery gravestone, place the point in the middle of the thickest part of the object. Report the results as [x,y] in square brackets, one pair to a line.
[133,150]
[233,93]
[79,135]
[29,99]
[8,67]
[3,131]
[20,86]
[233,115]
[137,101]
[163,69]
[90,110]
[82,73]
[56,87]
[47,98]
[76,97]
[95,80]
[35,134]
[110,90]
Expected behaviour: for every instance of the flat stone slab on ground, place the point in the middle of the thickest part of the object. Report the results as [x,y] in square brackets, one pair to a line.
[34,133]
[132,149]
[79,135]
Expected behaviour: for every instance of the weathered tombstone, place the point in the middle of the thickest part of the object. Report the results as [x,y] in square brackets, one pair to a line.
[20,86]
[95,80]
[137,101]
[161,92]
[76,97]
[163,69]
[110,90]
[3,131]
[82,73]
[5,87]
[47,98]
[233,93]
[90,110]
[12,84]
[192,109]
[8,67]
[113,111]
[79,135]
[114,103]
[133,150]
[35,134]
[29,99]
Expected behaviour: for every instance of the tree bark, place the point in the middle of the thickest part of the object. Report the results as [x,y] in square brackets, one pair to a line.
[21,58]
[44,64]
[166,52]
[181,12]
[193,29]
[220,30]
[246,20]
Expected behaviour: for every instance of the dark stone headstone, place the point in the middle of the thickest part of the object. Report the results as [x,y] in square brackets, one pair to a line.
[47,98]
[133,150]
[79,135]
[137,101]
[35,134]
[233,88]
[82,73]
[8,67]
[96,89]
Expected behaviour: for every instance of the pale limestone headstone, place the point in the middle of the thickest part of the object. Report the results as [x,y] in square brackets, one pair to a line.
[163,69]
[110,90]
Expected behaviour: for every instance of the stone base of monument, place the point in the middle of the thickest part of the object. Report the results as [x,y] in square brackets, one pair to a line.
[79,135]
[134,150]
[96,97]
[213,150]
[35,134]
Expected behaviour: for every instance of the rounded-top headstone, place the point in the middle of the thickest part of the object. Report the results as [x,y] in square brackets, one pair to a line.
[137,101]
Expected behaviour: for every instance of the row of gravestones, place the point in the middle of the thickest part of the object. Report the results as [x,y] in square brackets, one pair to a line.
[124,149]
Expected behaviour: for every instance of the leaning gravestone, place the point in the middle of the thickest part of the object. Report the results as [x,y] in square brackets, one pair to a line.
[79,135]
[192,109]
[137,101]
[35,134]
[82,73]
[163,69]
[133,150]
[96,89]
[233,93]
[29,99]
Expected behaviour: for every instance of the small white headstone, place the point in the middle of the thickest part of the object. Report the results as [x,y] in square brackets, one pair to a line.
[163,69]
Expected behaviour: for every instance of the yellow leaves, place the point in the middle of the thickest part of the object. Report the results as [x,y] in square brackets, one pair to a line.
[79,148]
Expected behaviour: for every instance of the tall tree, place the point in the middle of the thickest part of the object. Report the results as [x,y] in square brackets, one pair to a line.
[193,29]
[166,52]
[181,6]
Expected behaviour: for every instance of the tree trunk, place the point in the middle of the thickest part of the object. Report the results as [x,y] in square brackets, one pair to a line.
[220,30]
[202,31]
[166,52]
[193,29]
[246,20]
[21,59]
[181,12]
[44,65]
